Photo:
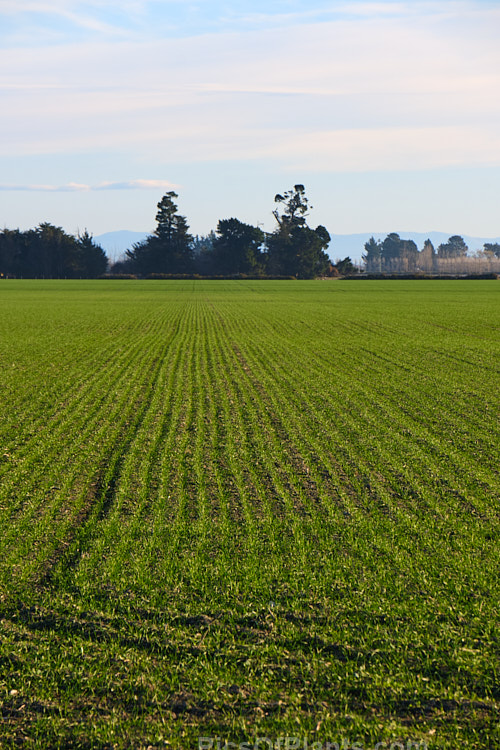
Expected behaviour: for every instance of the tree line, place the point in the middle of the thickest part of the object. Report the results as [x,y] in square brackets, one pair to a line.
[234,248]
[399,256]
[49,252]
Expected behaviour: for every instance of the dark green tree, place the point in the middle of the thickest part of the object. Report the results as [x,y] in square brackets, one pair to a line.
[13,245]
[203,243]
[397,255]
[237,248]
[203,254]
[454,248]
[371,256]
[408,257]
[169,249]
[51,253]
[294,249]
[296,206]
[345,267]
[390,252]
[45,252]
[92,260]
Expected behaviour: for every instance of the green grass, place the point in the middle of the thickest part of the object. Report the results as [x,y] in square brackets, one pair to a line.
[243,509]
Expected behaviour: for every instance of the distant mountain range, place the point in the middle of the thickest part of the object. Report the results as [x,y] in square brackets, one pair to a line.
[342,245]
[115,243]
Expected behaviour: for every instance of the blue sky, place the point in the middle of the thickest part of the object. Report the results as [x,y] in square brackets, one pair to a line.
[388,112]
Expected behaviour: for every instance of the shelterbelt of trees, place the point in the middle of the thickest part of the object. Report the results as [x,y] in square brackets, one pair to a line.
[293,249]
[398,256]
[49,252]
[235,248]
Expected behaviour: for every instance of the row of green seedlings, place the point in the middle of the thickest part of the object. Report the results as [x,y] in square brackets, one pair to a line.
[115,543]
[67,466]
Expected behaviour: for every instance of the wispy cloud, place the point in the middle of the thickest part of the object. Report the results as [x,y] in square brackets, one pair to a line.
[377,8]
[393,149]
[153,19]
[424,81]
[75,13]
[72,187]
[136,185]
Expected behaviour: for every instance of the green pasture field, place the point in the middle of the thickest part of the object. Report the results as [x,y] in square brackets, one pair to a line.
[247,509]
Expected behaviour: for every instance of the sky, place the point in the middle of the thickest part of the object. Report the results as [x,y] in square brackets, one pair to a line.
[387,112]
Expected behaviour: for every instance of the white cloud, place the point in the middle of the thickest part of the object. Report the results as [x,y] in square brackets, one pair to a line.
[79,187]
[136,185]
[393,149]
[55,7]
[392,87]
[375,8]
[75,12]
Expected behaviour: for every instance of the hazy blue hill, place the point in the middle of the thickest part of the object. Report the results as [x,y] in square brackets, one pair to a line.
[115,243]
